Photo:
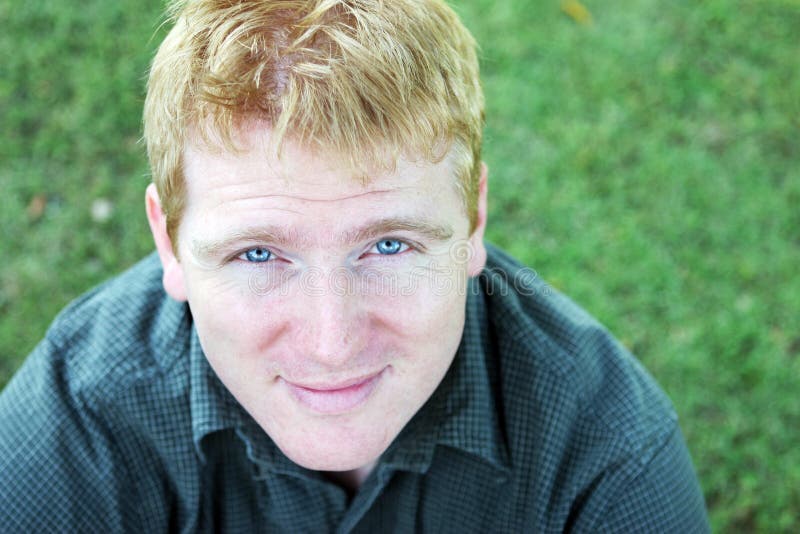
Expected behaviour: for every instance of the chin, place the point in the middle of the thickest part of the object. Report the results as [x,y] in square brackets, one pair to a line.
[336,464]
[336,444]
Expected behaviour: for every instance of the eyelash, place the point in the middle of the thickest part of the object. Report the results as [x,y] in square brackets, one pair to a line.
[269,253]
[241,256]
[405,246]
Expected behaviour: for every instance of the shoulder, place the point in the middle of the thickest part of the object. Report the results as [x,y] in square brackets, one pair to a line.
[119,333]
[79,439]
[71,408]
[113,337]
[581,412]
[552,342]
[108,346]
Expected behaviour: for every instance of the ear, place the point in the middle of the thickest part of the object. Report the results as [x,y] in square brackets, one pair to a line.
[478,259]
[173,279]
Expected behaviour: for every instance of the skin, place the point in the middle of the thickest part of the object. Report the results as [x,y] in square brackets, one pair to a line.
[331,305]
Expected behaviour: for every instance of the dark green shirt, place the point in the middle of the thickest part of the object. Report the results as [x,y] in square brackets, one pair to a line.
[544,423]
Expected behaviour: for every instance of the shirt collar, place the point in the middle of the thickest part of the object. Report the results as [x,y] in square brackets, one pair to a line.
[212,406]
[461,413]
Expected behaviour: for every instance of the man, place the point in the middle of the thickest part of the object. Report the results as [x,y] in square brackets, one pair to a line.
[324,342]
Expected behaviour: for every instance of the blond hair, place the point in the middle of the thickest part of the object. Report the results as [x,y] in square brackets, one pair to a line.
[367,80]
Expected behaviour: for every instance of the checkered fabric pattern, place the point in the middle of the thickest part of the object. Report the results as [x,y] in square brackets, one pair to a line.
[544,423]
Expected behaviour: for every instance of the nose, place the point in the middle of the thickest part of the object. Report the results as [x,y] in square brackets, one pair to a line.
[334,326]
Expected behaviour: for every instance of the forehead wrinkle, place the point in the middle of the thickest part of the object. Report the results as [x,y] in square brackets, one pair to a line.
[310,199]
[346,197]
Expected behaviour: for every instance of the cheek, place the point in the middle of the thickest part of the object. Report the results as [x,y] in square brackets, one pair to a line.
[232,320]
[428,305]
[426,328]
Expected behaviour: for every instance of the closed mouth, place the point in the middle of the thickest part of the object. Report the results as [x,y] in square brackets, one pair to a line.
[335,397]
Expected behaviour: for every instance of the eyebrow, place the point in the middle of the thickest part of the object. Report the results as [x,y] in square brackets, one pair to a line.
[388,226]
[279,235]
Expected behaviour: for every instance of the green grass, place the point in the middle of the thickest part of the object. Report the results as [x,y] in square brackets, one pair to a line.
[647,165]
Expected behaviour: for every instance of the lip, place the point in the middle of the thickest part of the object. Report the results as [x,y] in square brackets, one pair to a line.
[335,398]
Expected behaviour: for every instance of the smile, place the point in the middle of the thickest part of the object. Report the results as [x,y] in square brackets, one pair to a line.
[335,398]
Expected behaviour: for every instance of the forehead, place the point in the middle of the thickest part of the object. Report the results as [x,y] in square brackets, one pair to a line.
[257,167]
[313,196]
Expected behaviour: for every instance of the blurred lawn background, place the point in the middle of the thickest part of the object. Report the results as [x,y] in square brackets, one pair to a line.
[644,159]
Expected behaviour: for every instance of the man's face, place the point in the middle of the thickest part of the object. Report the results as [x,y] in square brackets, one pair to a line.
[331,309]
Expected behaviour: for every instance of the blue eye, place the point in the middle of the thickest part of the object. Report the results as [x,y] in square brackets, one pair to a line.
[390,246]
[257,255]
